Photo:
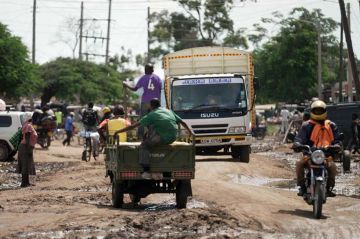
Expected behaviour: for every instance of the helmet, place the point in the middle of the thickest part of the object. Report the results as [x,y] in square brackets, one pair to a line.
[106,110]
[318,110]
[72,114]
[149,68]
[119,110]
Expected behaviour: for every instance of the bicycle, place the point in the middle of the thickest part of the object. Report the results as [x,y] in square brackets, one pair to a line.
[86,154]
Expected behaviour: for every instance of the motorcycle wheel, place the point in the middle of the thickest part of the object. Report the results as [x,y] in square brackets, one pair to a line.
[318,200]
[260,135]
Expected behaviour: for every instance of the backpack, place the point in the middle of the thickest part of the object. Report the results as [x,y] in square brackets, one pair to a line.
[89,118]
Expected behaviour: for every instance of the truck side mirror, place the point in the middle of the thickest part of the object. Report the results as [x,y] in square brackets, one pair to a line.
[256,83]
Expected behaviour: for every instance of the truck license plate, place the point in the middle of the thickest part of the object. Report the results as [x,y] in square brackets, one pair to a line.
[210,141]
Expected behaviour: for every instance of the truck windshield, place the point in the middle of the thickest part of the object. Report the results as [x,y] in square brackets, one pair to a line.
[204,93]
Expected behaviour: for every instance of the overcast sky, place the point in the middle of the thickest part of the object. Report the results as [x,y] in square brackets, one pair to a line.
[129,26]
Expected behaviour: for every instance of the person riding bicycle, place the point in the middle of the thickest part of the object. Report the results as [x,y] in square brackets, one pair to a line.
[90,121]
[317,132]
[162,130]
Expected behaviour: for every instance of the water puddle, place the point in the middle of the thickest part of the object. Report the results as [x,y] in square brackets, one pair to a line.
[255,181]
[170,204]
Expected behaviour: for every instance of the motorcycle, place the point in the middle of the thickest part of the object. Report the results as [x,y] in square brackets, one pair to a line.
[316,175]
[45,131]
[259,131]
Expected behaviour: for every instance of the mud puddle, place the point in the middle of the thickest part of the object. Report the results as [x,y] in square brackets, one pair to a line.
[170,204]
[281,183]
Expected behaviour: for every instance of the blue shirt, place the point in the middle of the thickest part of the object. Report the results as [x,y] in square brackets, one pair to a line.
[69,123]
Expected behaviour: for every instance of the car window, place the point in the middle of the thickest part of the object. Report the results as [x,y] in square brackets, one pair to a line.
[5,121]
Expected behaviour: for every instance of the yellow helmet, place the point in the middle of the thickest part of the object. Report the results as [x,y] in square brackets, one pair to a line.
[318,110]
[106,110]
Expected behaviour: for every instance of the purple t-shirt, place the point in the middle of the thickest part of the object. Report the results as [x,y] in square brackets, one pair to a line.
[151,85]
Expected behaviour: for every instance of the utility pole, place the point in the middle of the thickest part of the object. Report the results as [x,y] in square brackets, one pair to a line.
[320,93]
[81,30]
[349,74]
[34,32]
[148,34]
[108,35]
[350,48]
[341,57]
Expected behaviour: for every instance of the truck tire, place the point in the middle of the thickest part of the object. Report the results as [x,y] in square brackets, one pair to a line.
[182,193]
[117,194]
[346,160]
[4,151]
[241,153]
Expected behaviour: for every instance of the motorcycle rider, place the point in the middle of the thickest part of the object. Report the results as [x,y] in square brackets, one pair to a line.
[317,132]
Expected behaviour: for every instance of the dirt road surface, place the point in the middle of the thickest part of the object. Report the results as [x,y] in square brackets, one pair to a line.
[72,198]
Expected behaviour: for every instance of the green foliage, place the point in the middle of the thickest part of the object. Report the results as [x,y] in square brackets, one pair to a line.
[78,81]
[287,64]
[18,76]
[199,23]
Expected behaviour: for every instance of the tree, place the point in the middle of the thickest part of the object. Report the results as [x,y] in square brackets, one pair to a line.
[201,23]
[18,76]
[287,63]
[69,34]
[78,81]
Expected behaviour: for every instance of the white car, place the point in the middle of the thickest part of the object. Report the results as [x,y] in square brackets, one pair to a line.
[10,123]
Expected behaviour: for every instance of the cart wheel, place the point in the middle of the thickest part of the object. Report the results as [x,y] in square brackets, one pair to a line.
[346,160]
[117,194]
[182,189]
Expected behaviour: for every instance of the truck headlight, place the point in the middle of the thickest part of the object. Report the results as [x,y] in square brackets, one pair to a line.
[318,157]
[237,130]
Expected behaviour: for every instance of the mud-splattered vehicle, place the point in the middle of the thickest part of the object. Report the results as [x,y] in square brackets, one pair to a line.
[172,168]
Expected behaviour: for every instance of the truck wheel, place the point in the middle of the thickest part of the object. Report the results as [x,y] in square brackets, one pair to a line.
[4,151]
[117,194]
[241,153]
[346,160]
[182,193]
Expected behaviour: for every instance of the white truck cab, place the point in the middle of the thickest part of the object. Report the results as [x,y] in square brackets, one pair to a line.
[212,90]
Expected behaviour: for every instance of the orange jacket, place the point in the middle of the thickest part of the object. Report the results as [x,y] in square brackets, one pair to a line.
[322,135]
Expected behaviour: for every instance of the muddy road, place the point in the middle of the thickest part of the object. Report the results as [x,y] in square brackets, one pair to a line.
[72,199]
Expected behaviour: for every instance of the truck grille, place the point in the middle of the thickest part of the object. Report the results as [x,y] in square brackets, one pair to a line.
[210,129]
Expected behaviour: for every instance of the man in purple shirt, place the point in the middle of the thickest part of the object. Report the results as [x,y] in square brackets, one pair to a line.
[151,85]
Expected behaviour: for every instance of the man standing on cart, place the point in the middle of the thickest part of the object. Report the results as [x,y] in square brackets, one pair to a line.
[151,84]
[162,130]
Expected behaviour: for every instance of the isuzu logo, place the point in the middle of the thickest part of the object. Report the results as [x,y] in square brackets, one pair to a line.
[209,115]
